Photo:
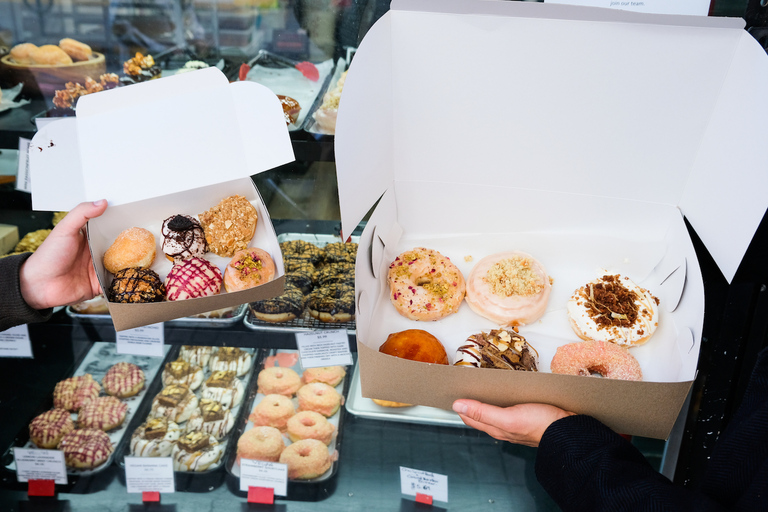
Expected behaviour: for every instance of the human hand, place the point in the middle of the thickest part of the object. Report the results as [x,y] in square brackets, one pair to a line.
[520,424]
[60,271]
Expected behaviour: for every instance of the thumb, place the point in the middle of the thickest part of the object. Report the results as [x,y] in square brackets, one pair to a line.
[478,411]
[80,215]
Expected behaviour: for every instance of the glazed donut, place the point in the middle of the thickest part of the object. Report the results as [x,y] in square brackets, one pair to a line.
[282,308]
[123,379]
[231,359]
[212,418]
[260,443]
[50,55]
[155,438]
[223,387]
[310,425]
[72,393]
[194,355]
[105,413]
[588,357]
[248,268]
[319,397]
[331,375]
[301,249]
[498,348]
[342,272]
[47,429]
[333,303]
[300,279]
[613,308]
[22,53]
[306,459]
[133,248]
[75,49]
[86,448]
[181,372]
[337,252]
[196,451]
[175,402]
[509,288]
[278,380]
[273,411]
[425,285]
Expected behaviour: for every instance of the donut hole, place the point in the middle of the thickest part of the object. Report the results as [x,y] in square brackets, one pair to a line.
[599,371]
[308,422]
[304,451]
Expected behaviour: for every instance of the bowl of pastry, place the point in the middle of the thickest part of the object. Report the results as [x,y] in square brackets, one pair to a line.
[47,68]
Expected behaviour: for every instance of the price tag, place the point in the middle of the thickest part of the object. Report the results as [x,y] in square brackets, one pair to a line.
[32,464]
[149,474]
[257,473]
[323,348]
[414,482]
[14,342]
[142,341]
[22,172]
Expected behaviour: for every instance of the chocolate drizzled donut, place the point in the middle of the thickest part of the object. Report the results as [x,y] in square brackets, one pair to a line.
[183,238]
[136,285]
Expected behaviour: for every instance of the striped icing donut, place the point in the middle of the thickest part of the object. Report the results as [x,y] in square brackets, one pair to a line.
[123,380]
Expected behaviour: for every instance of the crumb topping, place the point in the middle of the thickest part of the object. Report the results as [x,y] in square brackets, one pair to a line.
[610,303]
[513,276]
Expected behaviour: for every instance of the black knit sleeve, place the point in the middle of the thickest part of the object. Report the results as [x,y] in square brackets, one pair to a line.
[13,309]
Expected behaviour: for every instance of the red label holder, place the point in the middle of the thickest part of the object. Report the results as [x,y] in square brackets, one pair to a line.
[423,498]
[264,495]
[150,497]
[41,488]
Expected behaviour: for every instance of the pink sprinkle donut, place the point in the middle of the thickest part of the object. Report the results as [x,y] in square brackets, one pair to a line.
[306,459]
[273,411]
[310,425]
[588,357]
[278,380]
[261,443]
[331,375]
[319,397]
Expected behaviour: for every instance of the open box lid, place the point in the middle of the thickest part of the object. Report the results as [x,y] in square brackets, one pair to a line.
[156,138]
[531,96]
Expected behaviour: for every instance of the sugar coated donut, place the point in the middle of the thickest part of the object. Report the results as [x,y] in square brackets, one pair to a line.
[212,418]
[499,348]
[425,285]
[613,308]
[310,425]
[196,451]
[319,397]
[47,429]
[155,438]
[123,379]
[510,288]
[278,380]
[602,357]
[86,448]
[306,459]
[73,393]
[248,268]
[331,375]
[133,248]
[104,413]
[231,359]
[273,411]
[261,443]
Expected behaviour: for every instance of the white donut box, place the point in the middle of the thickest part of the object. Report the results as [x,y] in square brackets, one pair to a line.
[177,145]
[579,135]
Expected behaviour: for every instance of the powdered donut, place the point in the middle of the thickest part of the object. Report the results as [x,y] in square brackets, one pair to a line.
[196,451]
[105,413]
[261,443]
[248,268]
[613,308]
[310,425]
[155,438]
[319,397]
[306,459]
[273,411]
[181,372]
[212,418]
[331,375]
[123,379]
[48,428]
[425,285]
[86,448]
[588,357]
[231,359]
[72,393]
[278,380]
[133,248]
[510,288]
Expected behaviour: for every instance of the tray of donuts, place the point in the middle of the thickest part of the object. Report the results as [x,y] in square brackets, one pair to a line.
[193,409]
[319,286]
[295,418]
[89,412]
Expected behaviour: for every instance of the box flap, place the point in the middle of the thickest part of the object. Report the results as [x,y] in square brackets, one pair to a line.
[595,102]
[159,137]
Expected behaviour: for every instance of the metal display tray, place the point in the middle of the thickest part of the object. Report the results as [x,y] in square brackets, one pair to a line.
[228,320]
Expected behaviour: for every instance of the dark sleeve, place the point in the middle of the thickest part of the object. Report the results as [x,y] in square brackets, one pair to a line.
[13,309]
[584,465]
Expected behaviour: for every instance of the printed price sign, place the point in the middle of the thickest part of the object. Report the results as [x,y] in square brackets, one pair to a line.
[34,464]
[149,474]
[413,482]
[323,348]
[257,473]
[142,341]
[14,342]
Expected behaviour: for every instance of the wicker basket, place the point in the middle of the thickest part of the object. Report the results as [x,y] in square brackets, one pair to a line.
[47,79]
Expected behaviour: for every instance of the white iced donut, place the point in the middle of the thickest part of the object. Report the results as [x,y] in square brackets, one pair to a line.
[224,387]
[212,418]
[231,359]
[175,402]
[182,372]
[155,438]
[196,451]
[196,355]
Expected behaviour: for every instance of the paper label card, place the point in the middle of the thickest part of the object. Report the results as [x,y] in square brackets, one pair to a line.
[14,342]
[32,464]
[23,182]
[414,482]
[149,474]
[257,473]
[690,7]
[142,341]
[324,348]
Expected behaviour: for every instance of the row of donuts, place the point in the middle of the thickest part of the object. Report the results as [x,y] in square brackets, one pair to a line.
[191,418]
[318,280]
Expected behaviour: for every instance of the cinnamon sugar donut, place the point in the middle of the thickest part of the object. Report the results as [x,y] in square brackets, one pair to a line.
[273,411]
[123,380]
[509,288]
[261,443]
[306,459]
[331,375]
[602,357]
[425,285]
[47,429]
[72,393]
[133,248]
[248,268]
[319,397]
[86,448]
[104,413]
[310,425]
[278,380]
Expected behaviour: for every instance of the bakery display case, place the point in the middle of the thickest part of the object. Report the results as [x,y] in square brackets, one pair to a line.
[300,50]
